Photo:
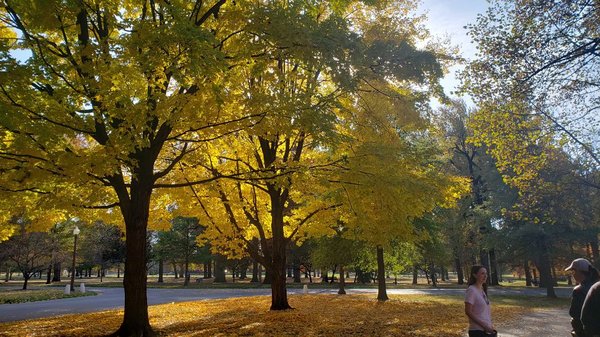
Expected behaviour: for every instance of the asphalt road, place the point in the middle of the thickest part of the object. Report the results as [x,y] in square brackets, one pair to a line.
[113,298]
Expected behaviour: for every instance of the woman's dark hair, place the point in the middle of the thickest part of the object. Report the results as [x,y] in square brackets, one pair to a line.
[472,279]
[592,275]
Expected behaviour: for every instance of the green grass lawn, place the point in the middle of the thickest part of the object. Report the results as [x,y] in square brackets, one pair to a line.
[32,295]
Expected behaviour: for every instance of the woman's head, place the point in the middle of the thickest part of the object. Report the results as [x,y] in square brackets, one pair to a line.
[478,275]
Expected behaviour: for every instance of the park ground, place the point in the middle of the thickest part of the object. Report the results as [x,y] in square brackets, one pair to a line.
[317,315]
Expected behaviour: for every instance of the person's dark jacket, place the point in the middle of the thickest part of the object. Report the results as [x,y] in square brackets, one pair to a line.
[590,312]
[577,299]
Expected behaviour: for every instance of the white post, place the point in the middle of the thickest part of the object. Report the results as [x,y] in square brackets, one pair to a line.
[82,288]
[68,289]
[305,289]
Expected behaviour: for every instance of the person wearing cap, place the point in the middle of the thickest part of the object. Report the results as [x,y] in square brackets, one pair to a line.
[590,312]
[585,275]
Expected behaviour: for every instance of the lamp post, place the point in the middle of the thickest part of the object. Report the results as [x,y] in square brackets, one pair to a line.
[75,234]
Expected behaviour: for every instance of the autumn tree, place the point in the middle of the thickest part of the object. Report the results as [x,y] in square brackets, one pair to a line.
[546,51]
[114,95]
[303,86]
[28,250]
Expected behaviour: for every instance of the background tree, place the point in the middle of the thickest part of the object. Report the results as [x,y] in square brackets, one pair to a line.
[546,51]
[101,246]
[29,251]
[179,246]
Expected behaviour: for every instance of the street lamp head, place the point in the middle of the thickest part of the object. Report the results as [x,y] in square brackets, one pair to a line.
[76,230]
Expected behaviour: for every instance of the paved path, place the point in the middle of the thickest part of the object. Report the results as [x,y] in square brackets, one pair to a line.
[543,322]
[112,298]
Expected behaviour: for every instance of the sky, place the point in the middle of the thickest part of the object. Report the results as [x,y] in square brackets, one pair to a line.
[447,18]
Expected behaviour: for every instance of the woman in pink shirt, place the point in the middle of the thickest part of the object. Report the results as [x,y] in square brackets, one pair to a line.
[477,304]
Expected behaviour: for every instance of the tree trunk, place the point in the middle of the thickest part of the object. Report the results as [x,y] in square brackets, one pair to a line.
[186,272]
[26,277]
[175,270]
[297,275]
[244,269]
[459,272]
[268,279]
[342,291]
[135,213]
[494,280]
[279,300]
[527,274]
[433,274]
[254,272]
[485,259]
[415,275]
[381,290]
[49,274]
[544,266]
[595,250]
[220,269]
[161,270]
[57,272]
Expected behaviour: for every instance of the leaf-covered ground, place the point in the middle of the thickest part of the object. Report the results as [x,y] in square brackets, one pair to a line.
[314,315]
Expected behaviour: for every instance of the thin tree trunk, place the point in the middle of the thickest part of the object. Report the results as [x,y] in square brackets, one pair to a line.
[254,272]
[415,275]
[527,274]
[494,279]
[186,272]
[161,270]
[342,291]
[49,274]
[381,289]
[25,279]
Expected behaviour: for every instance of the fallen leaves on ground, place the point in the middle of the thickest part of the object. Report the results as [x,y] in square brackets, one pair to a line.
[31,295]
[314,315]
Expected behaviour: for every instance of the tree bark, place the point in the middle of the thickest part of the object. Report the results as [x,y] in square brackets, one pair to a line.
[220,269]
[342,291]
[49,274]
[297,274]
[57,272]
[527,274]
[544,266]
[494,280]
[161,270]
[136,213]
[254,272]
[415,275]
[459,274]
[279,300]
[381,289]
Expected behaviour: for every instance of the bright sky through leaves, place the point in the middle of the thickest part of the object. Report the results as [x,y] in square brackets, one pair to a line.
[448,18]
